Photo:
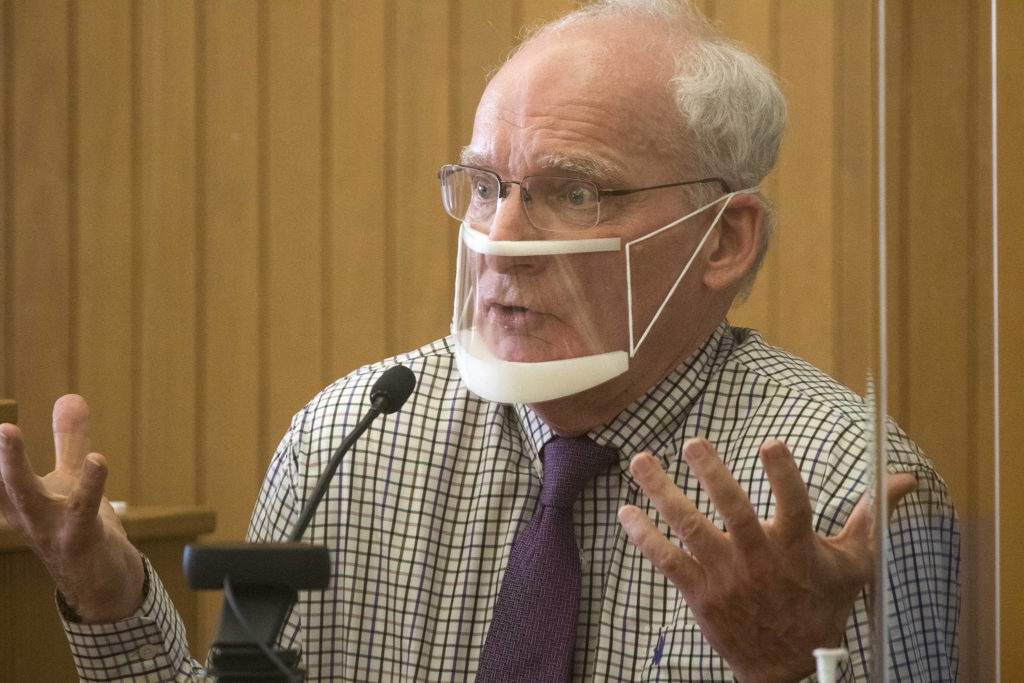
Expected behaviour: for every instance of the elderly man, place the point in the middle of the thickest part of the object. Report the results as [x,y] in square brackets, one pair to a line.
[596,478]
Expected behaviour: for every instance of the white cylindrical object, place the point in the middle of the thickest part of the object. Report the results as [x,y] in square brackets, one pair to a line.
[827,659]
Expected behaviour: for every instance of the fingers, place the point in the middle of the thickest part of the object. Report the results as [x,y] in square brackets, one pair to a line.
[695,530]
[71,431]
[793,514]
[87,494]
[897,486]
[16,475]
[669,558]
[858,533]
[732,503]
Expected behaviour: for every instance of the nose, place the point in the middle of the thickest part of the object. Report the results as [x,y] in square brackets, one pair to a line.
[510,221]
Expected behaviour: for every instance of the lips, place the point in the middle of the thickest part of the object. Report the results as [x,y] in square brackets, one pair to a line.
[512,318]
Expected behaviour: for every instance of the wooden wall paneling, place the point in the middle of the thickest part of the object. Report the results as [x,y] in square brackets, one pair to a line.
[940,332]
[103,216]
[423,257]
[806,183]
[293,212]
[6,234]
[535,12]
[40,217]
[937,234]
[229,456]
[980,517]
[356,297]
[484,36]
[1010,83]
[753,25]
[230,261]
[167,267]
[897,86]
[855,193]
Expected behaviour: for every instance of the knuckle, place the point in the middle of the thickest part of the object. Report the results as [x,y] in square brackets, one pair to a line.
[689,527]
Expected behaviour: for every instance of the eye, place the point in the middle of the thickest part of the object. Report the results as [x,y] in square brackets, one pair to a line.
[579,195]
[576,194]
[484,188]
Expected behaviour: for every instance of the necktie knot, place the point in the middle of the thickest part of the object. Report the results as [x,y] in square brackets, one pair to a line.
[570,463]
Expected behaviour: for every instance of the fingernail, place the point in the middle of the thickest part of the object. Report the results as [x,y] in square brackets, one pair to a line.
[642,463]
[628,516]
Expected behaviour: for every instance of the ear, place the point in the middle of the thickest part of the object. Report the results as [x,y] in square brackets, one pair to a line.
[735,250]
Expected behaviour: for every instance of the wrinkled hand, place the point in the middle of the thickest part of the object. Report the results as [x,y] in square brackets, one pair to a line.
[66,521]
[765,593]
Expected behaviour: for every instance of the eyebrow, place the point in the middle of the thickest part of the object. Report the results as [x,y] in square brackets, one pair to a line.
[470,157]
[593,168]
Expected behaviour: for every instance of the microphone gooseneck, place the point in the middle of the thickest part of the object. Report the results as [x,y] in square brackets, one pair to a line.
[387,395]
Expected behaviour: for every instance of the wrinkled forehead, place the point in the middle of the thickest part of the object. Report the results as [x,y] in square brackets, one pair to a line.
[586,98]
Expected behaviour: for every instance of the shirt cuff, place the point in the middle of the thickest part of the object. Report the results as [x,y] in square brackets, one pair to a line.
[148,645]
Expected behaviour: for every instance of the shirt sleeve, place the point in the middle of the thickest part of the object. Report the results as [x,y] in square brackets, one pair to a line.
[150,645]
[924,585]
[924,592]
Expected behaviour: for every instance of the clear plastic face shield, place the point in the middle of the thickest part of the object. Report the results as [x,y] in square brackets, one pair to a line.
[538,320]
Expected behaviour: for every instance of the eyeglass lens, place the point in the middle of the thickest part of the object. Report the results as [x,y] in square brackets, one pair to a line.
[550,203]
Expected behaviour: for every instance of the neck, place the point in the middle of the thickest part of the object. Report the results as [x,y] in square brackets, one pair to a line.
[587,410]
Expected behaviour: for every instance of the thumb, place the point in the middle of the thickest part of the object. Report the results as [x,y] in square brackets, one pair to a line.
[860,526]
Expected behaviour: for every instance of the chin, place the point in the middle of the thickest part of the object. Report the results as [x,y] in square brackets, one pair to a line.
[523,348]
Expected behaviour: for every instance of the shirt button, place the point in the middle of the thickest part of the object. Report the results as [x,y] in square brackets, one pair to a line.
[148,651]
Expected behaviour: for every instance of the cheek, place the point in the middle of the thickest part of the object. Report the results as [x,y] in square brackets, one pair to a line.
[656,265]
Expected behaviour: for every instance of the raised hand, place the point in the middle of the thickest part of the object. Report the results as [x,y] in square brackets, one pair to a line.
[765,592]
[67,522]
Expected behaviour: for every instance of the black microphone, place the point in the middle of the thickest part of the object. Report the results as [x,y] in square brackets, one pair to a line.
[387,395]
[261,580]
[392,389]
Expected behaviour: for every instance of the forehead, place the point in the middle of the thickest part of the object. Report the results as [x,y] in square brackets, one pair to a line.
[584,99]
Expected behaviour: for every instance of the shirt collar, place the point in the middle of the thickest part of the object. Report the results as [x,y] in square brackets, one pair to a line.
[654,421]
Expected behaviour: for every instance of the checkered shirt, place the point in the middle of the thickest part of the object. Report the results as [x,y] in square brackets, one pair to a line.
[421,516]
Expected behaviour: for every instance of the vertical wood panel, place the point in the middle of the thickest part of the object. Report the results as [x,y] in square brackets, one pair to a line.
[535,12]
[856,349]
[1010,84]
[105,225]
[229,449]
[978,516]
[357,188]
[938,270]
[805,183]
[485,33]
[294,215]
[940,312]
[40,226]
[166,442]
[420,247]
[6,234]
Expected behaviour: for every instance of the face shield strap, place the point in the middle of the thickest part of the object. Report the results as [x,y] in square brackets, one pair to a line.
[634,346]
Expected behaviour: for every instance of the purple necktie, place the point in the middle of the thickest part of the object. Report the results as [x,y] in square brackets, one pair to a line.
[533,633]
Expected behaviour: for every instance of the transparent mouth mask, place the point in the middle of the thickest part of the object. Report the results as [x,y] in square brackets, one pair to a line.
[540,320]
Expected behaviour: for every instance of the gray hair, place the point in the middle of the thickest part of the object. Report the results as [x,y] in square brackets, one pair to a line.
[730,104]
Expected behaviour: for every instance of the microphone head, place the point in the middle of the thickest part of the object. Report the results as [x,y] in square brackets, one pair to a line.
[392,388]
